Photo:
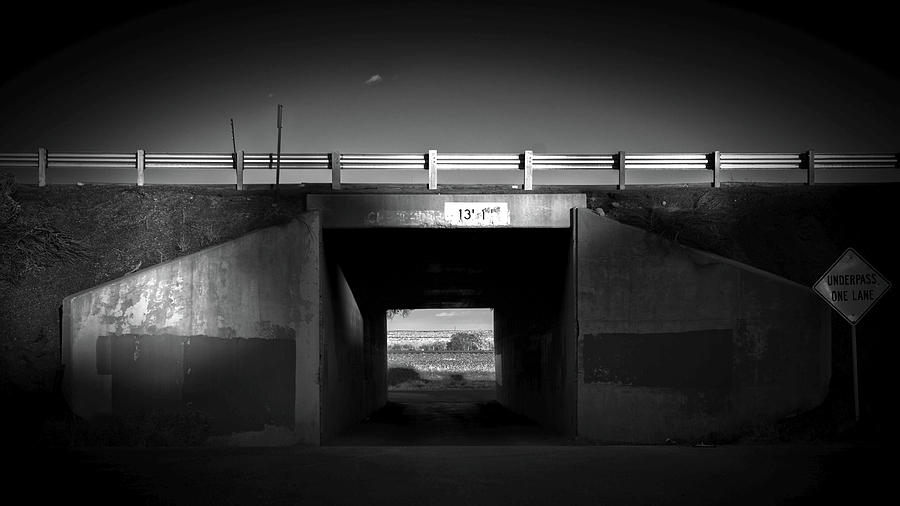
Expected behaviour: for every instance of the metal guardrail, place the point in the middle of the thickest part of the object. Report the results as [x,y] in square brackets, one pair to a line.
[856,161]
[93,160]
[666,161]
[713,168]
[760,161]
[288,161]
[188,161]
[11,160]
[562,161]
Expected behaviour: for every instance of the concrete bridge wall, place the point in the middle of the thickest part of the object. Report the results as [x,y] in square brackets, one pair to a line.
[231,330]
[534,338]
[677,343]
[343,355]
[605,332]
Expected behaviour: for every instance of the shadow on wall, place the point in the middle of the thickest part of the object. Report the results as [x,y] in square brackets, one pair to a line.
[238,384]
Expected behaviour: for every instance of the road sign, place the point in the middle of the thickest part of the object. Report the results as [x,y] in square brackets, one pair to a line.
[851,286]
[477,214]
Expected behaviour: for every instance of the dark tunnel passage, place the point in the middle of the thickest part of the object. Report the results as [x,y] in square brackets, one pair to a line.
[524,274]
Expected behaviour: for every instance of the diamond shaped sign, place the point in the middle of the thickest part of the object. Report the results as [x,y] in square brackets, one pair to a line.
[851,286]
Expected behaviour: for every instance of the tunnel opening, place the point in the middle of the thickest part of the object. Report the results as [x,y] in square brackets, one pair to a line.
[524,275]
[440,350]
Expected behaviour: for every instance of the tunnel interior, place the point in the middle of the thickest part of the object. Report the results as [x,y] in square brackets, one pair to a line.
[526,275]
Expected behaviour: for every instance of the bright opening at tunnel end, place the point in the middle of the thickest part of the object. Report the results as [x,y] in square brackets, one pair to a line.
[440,349]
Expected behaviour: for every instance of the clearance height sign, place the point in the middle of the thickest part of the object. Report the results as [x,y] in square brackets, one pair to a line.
[851,286]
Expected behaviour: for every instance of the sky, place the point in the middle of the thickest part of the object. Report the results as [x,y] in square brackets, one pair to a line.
[444,319]
[454,76]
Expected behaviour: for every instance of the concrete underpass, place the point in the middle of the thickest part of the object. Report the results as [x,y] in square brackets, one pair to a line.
[523,273]
[410,262]
[602,332]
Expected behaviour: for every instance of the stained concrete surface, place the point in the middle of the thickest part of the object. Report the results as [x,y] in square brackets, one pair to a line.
[453,475]
[678,343]
[204,316]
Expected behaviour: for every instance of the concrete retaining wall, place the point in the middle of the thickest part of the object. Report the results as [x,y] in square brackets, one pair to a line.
[533,378]
[677,343]
[231,330]
[534,339]
[375,350]
[343,347]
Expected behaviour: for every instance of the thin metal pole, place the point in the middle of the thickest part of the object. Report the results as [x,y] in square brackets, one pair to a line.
[855,372]
[238,165]
[278,156]
[233,142]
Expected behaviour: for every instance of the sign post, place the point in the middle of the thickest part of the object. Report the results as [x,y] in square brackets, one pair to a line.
[851,286]
[278,155]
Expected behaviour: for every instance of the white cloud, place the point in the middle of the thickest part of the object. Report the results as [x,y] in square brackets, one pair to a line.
[375,79]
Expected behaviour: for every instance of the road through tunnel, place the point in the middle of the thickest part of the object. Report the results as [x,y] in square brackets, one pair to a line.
[522,273]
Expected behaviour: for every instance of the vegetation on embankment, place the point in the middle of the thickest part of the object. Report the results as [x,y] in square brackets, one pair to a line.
[58,240]
[793,231]
[440,340]
[442,370]
[796,232]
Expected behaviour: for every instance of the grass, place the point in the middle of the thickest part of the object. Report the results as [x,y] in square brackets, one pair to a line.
[440,370]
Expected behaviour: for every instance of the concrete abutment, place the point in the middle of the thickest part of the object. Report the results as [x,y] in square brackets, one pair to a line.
[603,332]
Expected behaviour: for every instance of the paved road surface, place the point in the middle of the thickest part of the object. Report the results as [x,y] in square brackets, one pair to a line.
[452,475]
[446,417]
[444,456]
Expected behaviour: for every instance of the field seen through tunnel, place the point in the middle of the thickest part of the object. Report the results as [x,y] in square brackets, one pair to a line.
[440,359]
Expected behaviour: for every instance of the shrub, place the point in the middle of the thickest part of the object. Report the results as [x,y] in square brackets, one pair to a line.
[398,375]
[465,341]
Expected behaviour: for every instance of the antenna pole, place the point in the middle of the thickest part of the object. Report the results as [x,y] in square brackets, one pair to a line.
[278,155]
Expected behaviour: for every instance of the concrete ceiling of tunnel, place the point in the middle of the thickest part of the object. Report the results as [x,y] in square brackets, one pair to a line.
[448,268]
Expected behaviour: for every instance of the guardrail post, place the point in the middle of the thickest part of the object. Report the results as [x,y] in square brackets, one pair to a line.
[239,170]
[335,171]
[140,167]
[42,166]
[528,162]
[716,166]
[432,169]
[810,167]
[621,170]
